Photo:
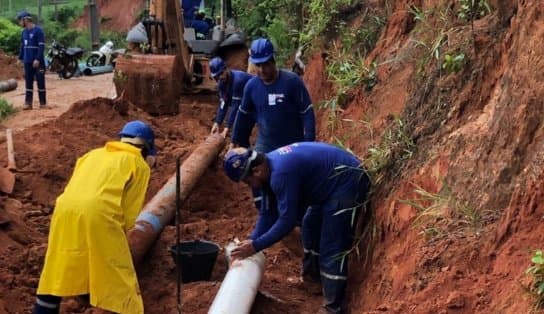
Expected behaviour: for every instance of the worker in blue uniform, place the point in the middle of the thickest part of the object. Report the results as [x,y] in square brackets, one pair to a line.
[190,10]
[307,176]
[231,85]
[277,101]
[31,53]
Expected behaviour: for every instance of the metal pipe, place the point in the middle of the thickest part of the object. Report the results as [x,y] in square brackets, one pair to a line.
[7,85]
[239,288]
[160,210]
[98,69]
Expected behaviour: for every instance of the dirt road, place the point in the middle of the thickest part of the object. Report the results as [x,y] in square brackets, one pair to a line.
[61,94]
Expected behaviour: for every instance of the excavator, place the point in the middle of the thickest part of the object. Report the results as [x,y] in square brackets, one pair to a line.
[173,61]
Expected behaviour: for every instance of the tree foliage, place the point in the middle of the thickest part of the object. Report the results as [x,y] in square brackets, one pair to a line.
[10,36]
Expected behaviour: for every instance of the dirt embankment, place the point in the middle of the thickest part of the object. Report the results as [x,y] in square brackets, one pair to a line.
[10,69]
[115,15]
[479,143]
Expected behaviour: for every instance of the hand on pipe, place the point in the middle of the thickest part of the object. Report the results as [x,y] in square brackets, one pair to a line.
[243,250]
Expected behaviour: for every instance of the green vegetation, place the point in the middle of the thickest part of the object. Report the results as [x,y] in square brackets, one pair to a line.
[10,36]
[453,63]
[473,9]
[55,22]
[396,146]
[6,109]
[536,271]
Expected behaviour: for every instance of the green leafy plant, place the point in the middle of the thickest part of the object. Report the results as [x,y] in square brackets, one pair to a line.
[470,10]
[536,270]
[10,36]
[395,146]
[6,109]
[453,63]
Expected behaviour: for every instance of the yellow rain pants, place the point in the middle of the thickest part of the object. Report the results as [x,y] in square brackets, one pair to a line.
[88,251]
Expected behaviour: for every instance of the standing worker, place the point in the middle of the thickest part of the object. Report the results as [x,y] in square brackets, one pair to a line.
[277,101]
[317,185]
[231,85]
[88,252]
[31,54]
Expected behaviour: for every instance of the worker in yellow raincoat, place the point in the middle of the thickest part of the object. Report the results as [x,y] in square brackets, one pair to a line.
[88,252]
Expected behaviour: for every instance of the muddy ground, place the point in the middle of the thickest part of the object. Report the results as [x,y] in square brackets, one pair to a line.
[478,143]
[46,149]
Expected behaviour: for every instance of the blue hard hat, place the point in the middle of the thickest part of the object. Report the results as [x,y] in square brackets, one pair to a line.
[140,129]
[217,66]
[237,163]
[23,14]
[261,51]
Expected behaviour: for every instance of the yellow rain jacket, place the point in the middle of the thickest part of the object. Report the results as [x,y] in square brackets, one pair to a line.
[88,250]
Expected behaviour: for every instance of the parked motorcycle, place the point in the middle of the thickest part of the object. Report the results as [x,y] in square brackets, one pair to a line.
[104,56]
[64,61]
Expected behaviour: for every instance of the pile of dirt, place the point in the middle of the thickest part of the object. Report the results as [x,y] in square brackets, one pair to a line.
[10,68]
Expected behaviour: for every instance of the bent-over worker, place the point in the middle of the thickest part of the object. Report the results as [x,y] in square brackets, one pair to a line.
[88,252]
[317,185]
[231,85]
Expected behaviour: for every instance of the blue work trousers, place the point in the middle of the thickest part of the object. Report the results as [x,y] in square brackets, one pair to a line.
[32,73]
[327,236]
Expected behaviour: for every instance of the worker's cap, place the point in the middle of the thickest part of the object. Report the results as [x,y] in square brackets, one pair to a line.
[237,163]
[23,15]
[261,51]
[217,66]
[138,132]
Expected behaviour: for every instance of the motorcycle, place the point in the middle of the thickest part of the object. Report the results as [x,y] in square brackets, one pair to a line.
[104,56]
[64,61]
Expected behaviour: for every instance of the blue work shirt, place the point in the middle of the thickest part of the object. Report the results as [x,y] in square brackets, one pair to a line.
[32,45]
[301,175]
[230,96]
[283,111]
[189,7]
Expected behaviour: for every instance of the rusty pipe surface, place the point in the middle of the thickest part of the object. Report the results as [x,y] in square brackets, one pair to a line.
[160,210]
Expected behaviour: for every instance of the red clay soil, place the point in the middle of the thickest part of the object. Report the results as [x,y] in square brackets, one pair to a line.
[115,15]
[478,134]
[478,148]
[10,69]
[218,210]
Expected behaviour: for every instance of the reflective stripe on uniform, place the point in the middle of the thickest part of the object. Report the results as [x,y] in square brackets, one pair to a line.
[311,252]
[307,108]
[236,98]
[242,110]
[333,277]
[258,199]
[46,304]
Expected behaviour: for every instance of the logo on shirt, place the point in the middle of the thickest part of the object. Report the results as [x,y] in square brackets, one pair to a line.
[274,99]
[285,150]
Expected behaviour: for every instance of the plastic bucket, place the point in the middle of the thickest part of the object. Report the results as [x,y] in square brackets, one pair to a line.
[196,259]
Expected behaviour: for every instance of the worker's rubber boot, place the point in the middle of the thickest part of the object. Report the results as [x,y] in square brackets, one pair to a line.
[47,304]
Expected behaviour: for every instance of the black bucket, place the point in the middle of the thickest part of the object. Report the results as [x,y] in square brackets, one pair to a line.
[196,259]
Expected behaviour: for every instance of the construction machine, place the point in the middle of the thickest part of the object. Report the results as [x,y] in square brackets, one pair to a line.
[172,61]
